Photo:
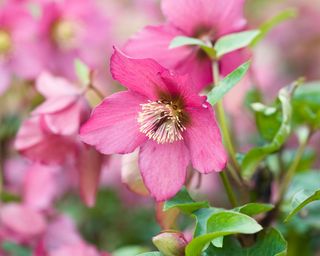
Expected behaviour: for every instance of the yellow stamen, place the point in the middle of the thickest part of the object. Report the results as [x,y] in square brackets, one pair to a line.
[5,42]
[63,33]
[162,121]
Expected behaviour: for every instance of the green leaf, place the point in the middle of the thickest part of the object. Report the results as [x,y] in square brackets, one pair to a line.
[235,41]
[202,216]
[252,95]
[306,104]
[184,202]
[151,254]
[252,209]
[185,41]
[15,249]
[227,83]
[301,199]
[268,122]
[256,155]
[82,72]
[270,24]
[269,243]
[222,224]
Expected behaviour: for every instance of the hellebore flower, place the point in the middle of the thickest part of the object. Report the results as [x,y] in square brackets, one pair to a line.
[18,49]
[50,136]
[162,115]
[72,29]
[203,19]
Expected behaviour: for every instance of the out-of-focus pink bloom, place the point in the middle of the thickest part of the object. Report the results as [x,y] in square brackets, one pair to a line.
[15,170]
[62,238]
[73,29]
[42,146]
[203,19]
[50,135]
[41,186]
[162,115]
[19,55]
[65,107]
[20,222]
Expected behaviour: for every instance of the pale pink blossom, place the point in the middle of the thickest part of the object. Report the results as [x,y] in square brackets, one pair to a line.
[19,55]
[71,29]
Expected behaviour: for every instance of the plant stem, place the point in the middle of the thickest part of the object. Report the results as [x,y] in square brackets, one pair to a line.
[223,123]
[227,140]
[293,167]
[227,186]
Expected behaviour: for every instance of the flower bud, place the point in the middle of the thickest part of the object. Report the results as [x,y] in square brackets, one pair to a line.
[170,243]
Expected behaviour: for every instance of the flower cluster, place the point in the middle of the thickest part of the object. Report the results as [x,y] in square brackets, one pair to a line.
[94,126]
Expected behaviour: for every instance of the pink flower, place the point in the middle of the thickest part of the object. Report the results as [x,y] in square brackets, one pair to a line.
[19,55]
[50,135]
[162,115]
[21,223]
[203,19]
[73,29]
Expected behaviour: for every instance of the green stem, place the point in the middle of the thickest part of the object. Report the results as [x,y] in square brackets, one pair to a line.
[227,140]
[228,188]
[223,124]
[293,167]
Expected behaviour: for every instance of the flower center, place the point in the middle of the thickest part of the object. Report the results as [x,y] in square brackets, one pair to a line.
[5,42]
[162,120]
[63,33]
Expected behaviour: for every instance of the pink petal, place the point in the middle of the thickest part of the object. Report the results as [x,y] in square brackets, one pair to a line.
[138,75]
[89,166]
[183,86]
[40,186]
[61,231]
[51,86]
[231,61]
[184,60]
[163,168]
[204,142]
[75,113]
[55,104]
[113,127]
[198,68]
[193,15]
[22,220]
[139,46]
[37,145]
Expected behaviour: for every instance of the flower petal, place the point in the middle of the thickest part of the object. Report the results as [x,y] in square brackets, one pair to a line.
[163,168]
[204,142]
[139,45]
[138,75]
[220,16]
[89,167]
[113,126]
[51,86]
[36,144]
[41,186]
[22,220]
